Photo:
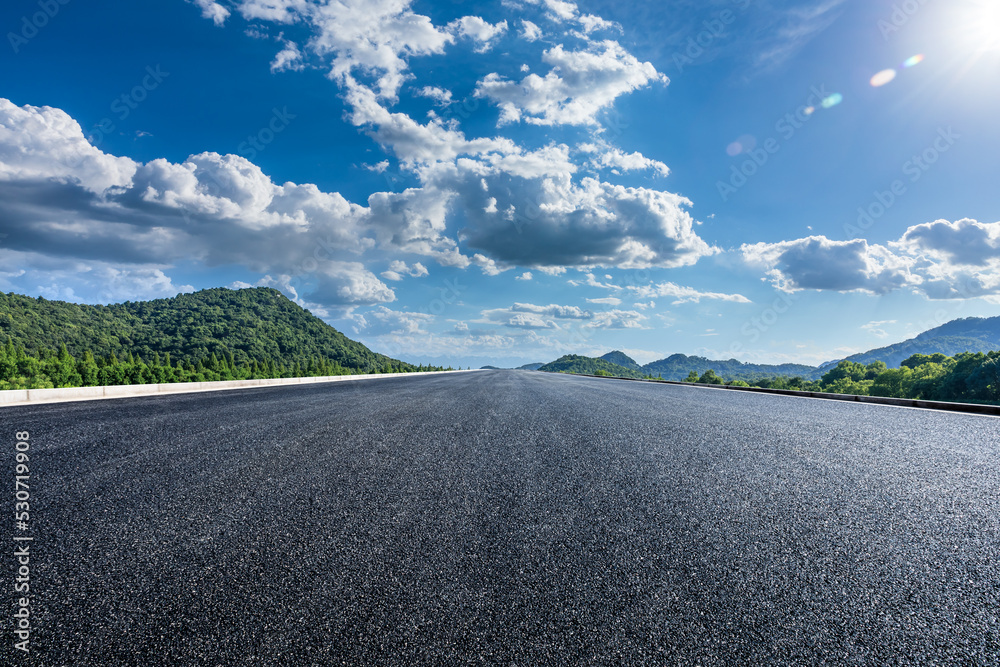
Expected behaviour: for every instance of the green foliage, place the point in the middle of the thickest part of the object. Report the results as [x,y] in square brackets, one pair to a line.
[709,377]
[572,363]
[215,334]
[621,359]
[679,366]
[965,377]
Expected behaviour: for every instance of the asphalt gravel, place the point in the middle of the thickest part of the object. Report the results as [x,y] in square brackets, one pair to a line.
[506,517]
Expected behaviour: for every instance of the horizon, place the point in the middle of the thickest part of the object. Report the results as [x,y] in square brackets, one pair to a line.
[772,184]
[602,355]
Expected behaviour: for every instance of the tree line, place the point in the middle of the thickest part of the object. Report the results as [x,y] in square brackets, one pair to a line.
[965,377]
[58,368]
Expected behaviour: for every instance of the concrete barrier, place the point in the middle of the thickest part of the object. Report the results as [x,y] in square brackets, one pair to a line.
[13,397]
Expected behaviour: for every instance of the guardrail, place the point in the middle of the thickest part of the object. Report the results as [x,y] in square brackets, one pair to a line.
[974,408]
[12,397]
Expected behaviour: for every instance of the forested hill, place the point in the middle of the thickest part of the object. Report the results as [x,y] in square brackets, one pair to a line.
[245,326]
[971,334]
[622,359]
[679,366]
[572,363]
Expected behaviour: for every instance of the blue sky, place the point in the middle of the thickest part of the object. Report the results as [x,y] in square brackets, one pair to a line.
[506,182]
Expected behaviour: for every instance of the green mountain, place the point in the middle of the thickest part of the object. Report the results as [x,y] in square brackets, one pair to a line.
[621,359]
[246,326]
[572,363]
[971,334]
[530,367]
[677,367]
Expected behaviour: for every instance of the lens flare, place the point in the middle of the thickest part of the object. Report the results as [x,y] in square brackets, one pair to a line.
[913,60]
[883,77]
[744,144]
[832,101]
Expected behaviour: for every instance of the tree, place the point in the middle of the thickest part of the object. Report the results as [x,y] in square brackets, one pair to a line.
[850,370]
[920,359]
[874,369]
[893,383]
[88,370]
[709,377]
[692,377]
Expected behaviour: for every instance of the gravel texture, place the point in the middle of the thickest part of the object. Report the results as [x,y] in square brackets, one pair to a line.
[506,517]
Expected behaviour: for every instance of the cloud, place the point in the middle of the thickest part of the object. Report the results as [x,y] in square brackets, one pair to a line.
[488,265]
[531,316]
[289,58]
[80,281]
[384,320]
[492,183]
[439,95]
[560,312]
[875,328]
[485,201]
[529,31]
[212,10]
[525,276]
[398,269]
[610,157]
[606,301]
[961,243]
[350,283]
[214,209]
[618,319]
[556,222]
[958,260]
[817,263]
[479,30]
[578,85]
[592,281]
[941,260]
[682,294]
[363,38]
[792,29]
[42,143]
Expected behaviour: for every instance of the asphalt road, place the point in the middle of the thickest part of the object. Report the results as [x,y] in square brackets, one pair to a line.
[511,518]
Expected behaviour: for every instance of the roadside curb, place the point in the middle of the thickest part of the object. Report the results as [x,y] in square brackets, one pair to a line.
[16,397]
[972,408]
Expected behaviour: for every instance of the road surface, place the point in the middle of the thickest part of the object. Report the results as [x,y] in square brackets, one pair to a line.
[514,518]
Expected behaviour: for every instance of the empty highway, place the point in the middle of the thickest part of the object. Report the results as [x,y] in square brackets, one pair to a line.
[505,517]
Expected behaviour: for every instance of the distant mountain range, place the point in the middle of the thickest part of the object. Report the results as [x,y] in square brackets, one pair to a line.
[972,334]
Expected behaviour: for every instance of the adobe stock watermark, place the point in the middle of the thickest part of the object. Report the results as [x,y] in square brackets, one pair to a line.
[255,143]
[121,108]
[902,13]
[712,30]
[787,127]
[448,294]
[579,333]
[249,149]
[913,169]
[123,105]
[32,24]
[22,548]
[763,322]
